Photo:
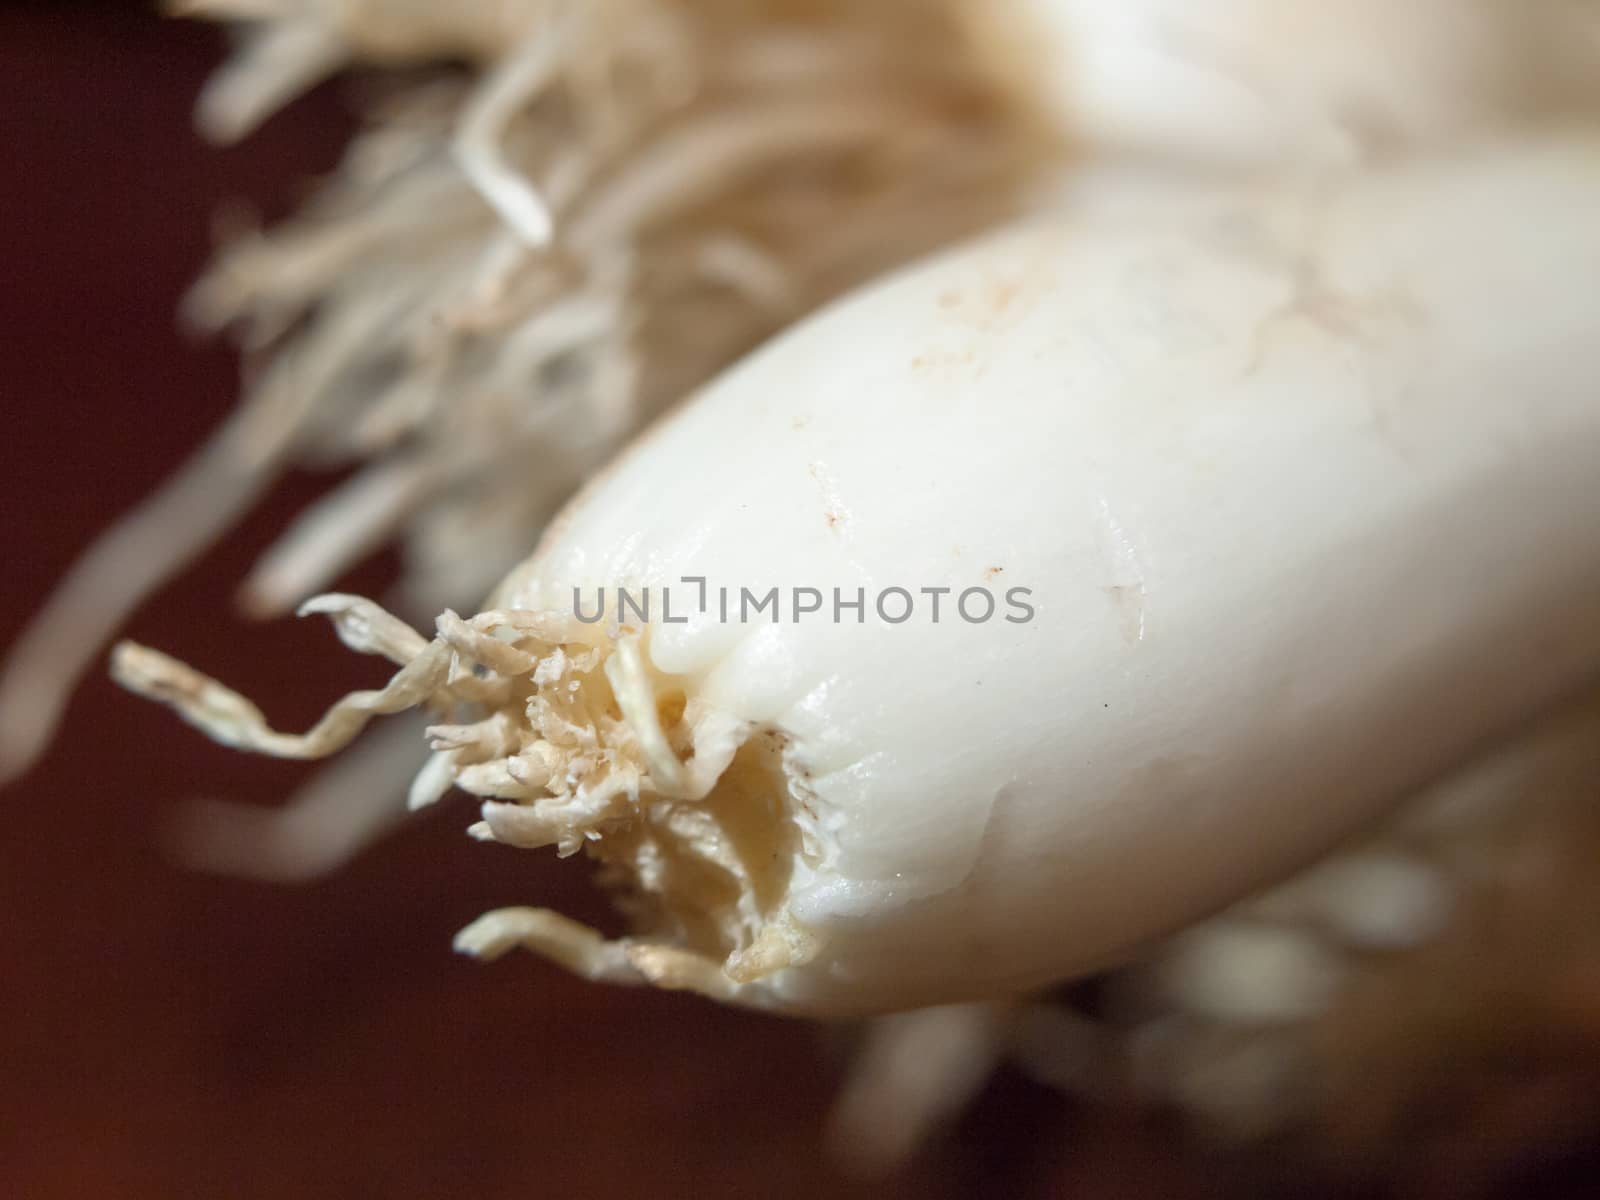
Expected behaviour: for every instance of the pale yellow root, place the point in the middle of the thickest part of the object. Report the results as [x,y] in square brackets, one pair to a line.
[569,944]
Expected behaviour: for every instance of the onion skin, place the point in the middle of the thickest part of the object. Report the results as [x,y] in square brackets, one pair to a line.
[1302,481]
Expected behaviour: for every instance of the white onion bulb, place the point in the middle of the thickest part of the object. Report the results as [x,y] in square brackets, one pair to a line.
[1285,497]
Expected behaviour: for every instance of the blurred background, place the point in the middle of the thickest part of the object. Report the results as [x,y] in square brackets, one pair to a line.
[169,1034]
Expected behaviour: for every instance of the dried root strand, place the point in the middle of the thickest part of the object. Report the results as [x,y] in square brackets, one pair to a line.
[568,767]
[229,718]
[465,664]
[585,953]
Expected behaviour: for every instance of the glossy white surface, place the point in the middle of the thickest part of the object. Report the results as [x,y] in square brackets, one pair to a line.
[1305,483]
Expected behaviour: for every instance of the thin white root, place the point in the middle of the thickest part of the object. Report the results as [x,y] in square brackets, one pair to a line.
[718,151]
[568,943]
[1240,970]
[575,947]
[637,699]
[278,64]
[436,777]
[1058,1047]
[510,87]
[126,563]
[675,969]
[338,531]
[748,270]
[342,810]
[366,627]
[916,1071]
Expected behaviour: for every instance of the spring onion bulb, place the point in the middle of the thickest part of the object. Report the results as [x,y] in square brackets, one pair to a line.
[1243,519]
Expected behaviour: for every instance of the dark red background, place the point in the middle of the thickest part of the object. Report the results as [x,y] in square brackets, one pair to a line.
[164,1034]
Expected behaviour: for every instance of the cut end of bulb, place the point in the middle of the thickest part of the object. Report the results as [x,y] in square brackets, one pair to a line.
[572,739]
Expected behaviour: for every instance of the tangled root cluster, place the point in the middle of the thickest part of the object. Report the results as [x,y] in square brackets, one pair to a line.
[566,216]
[572,740]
